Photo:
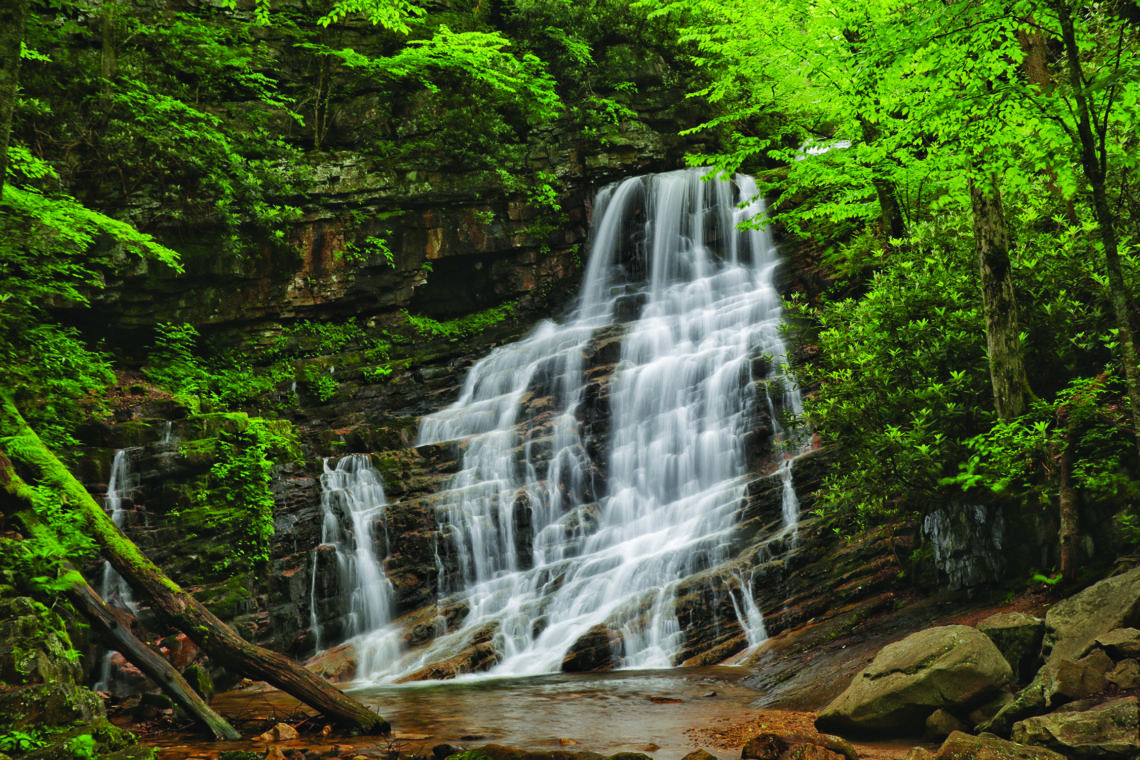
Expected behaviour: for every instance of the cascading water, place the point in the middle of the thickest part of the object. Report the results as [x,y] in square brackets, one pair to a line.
[549,543]
[113,588]
[352,502]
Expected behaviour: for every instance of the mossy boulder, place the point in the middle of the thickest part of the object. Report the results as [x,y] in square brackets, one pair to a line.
[34,645]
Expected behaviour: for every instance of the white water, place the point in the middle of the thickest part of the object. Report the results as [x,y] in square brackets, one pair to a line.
[352,502]
[615,552]
[113,588]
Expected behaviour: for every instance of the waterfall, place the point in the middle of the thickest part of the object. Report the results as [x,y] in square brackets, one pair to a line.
[113,588]
[549,538]
[352,503]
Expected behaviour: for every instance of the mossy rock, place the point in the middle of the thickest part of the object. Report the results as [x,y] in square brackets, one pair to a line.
[51,704]
[34,645]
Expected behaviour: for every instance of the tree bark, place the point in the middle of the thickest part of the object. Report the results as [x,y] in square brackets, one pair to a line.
[118,636]
[1094,164]
[113,625]
[13,18]
[1003,336]
[180,608]
[890,212]
[1069,515]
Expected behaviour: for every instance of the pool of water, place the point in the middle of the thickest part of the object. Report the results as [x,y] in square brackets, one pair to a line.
[644,711]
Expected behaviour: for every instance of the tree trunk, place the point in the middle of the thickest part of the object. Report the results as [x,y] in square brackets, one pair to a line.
[889,209]
[114,626]
[13,18]
[1003,336]
[118,636]
[1094,164]
[180,608]
[1070,522]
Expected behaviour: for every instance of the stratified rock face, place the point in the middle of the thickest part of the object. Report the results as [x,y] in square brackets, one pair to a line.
[1018,637]
[1073,625]
[1109,730]
[962,746]
[952,667]
[967,542]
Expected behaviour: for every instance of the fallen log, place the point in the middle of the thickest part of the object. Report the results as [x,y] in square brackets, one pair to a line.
[177,606]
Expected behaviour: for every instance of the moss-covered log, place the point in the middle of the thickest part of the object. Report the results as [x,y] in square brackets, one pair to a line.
[179,608]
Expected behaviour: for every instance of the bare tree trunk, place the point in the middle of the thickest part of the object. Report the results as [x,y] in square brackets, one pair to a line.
[13,19]
[118,636]
[1070,518]
[1003,336]
[1094,163]
[180,608]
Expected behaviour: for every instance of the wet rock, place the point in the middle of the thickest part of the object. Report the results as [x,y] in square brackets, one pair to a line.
[960,746]
[953,667]
[337,664]
[764,747]
[1109,730]
[1018,637]
[594,650]
[480,653]
[1073,625]
[282,732]
[810,752]
[699,754]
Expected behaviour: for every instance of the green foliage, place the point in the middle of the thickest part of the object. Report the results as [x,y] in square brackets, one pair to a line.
[902,379]
[462,327]
[21,742]
[237,499]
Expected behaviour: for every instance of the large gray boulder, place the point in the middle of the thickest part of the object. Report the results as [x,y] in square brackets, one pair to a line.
[1073,625]
[1109,730]
[953,667]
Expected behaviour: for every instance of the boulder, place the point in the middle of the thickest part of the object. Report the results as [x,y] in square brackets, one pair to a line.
[1120,643]
[1077,679]
[1018,637]
[1073,625]
[810,752]
[34,645]
[1108,730]
[960,746]
[764,747]
[594,650]
[941,724]
[282,732]
[337,664]
[990,707]
[954,667]
[1126,674]
[53,704]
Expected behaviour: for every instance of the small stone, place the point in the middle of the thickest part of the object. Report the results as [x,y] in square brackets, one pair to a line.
[649,748]
[1126,674]
[919,753]
[699,754]
[274,753]
[665,700]
[566,742]
[282,732]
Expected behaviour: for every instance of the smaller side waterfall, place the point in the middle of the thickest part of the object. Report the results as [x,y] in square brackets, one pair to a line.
[352,505]
[113,588]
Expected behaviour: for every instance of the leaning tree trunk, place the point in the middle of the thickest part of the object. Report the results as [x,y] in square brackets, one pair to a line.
[165,596]
[1003,337]
[1094,164]
[114,626]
